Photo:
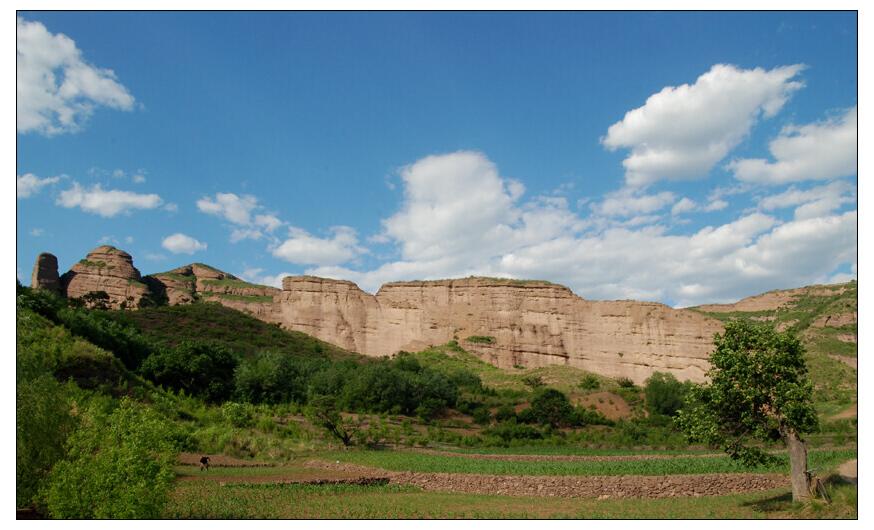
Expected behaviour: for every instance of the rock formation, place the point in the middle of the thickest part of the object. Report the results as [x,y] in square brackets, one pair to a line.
[45,273]
[110,270]
[202,282]
[505,322]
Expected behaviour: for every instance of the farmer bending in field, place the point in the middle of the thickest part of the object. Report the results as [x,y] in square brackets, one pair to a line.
[204,463]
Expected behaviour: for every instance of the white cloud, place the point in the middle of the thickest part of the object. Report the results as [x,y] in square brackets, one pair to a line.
[29,184]
[254,275]
[715,205]
[37,232]
[633,258]
[813,202]
[682,206]
[628,201]
[303,248]
[240,210]
[682,132]
[138,178]
[106,203]
[817,151]
[171,207]
[56,89]
[182,244]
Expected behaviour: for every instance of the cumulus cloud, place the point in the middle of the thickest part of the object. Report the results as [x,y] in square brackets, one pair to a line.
[813,202]
[817,151]
[634,258]
[256,275]
[57,90]
[305,249]
[29,184]
[179,243]
[681,132]
[628,201]
[240,210]
[106,203]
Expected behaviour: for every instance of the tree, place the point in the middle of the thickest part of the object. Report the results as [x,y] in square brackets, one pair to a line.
[664,394]
[551,407]
[758,390]
[198,368]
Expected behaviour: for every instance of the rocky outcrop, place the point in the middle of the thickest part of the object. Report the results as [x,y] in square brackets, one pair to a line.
[109,270]
[197,281]
[45,273]
[773,300]
[505,322]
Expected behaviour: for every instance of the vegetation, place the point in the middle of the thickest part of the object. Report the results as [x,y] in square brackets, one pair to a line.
[480,339]
[664,394]
[196,368]
[758,389]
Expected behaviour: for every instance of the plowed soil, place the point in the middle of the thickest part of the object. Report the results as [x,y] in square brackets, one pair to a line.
[604,487]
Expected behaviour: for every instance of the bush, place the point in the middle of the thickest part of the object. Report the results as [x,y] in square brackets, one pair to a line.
[590,382]
[533,381]
[625,382]
[551,407]
[200,369]
[664,394]
[119,466]
[505,413]
[274,378]
[237,414]
[510,430]
[42,425]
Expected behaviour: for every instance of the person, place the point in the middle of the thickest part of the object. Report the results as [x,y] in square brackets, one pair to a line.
[204,463]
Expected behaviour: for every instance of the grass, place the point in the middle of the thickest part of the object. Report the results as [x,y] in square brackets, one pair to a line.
[429,463]
[227,282]
[238,297]
[480,339]
[209,500]
[175,276]
[98,264]
[236,330]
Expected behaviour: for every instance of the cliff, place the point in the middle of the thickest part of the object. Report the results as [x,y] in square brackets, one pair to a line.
[505,322]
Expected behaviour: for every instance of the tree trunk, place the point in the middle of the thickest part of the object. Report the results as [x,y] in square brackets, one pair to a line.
[798,466]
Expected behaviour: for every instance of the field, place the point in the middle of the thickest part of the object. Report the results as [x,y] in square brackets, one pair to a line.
[408,484]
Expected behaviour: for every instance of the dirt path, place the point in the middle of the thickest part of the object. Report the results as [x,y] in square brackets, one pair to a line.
[849,471]
[852,362]
[600,487]
[850,412]
[193,459]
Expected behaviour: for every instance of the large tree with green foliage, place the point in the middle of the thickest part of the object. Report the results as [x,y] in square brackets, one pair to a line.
[758,391]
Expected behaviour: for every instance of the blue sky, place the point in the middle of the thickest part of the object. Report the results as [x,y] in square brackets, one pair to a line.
[676,157]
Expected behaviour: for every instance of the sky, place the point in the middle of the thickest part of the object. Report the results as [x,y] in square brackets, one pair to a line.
[677,157]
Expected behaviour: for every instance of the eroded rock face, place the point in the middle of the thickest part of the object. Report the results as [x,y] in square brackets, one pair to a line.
[505,322]
[45,273]
[110,270]
[186,284]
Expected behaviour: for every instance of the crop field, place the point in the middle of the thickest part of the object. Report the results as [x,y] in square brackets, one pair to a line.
[410,485]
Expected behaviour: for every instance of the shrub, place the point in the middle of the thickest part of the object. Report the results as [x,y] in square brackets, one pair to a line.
[505,413]
[625,382]
[119,466]
[237,414]
[664,394]
[201,369]
[590,382]
[533,381]
[42,424]
[274,378]
[480,339]
[510,430]
[551,407]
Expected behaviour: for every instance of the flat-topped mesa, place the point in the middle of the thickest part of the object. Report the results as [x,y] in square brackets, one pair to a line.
[506,322]
[110,270]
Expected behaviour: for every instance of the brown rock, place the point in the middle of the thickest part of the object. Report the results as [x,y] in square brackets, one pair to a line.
[504,322]
[45,273]
[110,270]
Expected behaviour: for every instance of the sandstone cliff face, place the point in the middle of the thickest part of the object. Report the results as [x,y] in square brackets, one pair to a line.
[505,322]
[45,273]
[107,269]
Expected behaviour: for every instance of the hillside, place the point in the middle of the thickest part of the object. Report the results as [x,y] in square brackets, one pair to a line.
[825,317]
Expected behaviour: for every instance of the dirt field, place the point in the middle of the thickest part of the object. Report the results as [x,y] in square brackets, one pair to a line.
[572,486]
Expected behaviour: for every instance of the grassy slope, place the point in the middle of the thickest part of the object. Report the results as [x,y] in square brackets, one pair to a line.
[835,382]
[213,322]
